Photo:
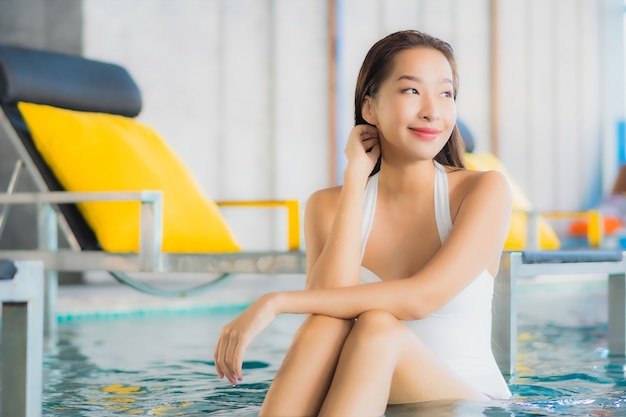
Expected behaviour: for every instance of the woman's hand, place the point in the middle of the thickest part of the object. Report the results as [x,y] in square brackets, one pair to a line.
[363,149]
[237,335]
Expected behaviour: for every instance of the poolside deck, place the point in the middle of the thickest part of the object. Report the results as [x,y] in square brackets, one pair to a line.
[570,300]
[102,295]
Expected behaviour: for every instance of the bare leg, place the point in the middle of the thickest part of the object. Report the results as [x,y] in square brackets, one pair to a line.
[303,379]
[382,362]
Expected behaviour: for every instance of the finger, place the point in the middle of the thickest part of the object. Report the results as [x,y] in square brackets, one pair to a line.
[221,358]
[238,360]
[217,358]
[369,135]
[226,364]
[234,355]
[371,138]
[368,130]
[224,358]
[366,127]
[371,144]
[374,150]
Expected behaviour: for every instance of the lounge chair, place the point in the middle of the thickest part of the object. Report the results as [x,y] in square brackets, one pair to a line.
[66,116]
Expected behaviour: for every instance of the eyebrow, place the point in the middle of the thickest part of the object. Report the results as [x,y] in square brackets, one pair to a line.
[419,80]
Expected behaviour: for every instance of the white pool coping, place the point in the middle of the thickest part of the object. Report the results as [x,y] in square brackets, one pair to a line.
[101,295]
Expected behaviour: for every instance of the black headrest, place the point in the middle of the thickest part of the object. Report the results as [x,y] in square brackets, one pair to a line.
[7,269]
[67,81]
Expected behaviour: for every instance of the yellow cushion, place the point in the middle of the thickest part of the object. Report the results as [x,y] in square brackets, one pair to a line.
[103,152]
[516,239]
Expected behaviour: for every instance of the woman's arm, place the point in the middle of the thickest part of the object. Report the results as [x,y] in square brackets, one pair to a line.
[332,223]
[476,240]
[332,230]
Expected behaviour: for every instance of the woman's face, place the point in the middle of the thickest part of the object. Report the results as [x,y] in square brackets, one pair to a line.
[414,108]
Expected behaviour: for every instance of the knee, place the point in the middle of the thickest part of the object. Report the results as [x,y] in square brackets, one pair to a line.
[377,318]
[379,323]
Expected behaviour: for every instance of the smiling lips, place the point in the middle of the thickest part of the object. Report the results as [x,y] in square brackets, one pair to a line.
[425,133]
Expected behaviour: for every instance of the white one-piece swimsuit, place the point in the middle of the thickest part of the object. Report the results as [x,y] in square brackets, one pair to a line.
[459,333]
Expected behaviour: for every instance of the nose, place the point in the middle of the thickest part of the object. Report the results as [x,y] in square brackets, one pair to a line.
[429,110]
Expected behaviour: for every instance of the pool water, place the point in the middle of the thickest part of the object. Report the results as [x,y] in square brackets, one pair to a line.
[156,365]
[160,364]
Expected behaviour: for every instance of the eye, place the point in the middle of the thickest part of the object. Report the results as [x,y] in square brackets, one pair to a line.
[447,94]
[410,91]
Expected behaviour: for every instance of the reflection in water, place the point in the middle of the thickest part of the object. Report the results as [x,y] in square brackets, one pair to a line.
[437,409]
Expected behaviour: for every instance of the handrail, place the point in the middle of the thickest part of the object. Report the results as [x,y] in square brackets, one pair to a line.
[595,232]
[151,226]
[293,216]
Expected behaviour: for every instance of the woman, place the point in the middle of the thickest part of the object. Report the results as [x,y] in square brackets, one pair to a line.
[423,234]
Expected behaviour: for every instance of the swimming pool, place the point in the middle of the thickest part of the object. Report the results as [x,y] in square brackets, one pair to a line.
[160,364]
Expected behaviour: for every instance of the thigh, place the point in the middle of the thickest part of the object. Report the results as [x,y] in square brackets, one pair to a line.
[383,362]
[421,376]
[305,374]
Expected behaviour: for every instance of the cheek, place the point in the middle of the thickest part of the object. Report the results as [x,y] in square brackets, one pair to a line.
[386,114]
[397,111]
[450,116]
[391,120]
[448,107]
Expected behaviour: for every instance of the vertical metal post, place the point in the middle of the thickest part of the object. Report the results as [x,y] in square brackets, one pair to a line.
[293,232]
[617,315]
[504,313]
[22,301]
[151,231]
[47,238]
[532,230]
[595,232]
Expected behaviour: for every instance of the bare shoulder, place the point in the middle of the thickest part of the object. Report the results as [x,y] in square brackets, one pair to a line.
[482,204]
[318,218]
[493,180]
[485,188]
[320,209]
[324,200]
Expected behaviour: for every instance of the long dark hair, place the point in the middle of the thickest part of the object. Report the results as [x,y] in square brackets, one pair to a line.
[377,66]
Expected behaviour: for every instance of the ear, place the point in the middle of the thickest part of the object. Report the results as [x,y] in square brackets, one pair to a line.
[368,111]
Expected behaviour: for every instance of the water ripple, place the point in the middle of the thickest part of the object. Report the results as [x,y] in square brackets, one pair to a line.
[166,369]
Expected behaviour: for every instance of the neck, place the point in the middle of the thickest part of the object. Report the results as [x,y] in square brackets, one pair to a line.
[406,180]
